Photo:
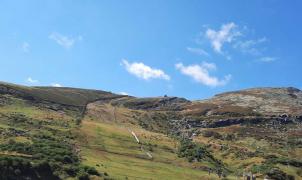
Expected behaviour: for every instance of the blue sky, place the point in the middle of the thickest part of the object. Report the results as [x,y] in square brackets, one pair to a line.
[188,48]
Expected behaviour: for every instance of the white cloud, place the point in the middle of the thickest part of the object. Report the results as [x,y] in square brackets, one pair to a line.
[198,51]
[123,93]
[200,73]
[56,85]
[250,46]
[143,71]
[238,38]
[25,47]
[267,59]
[31,80]
[226,34]
[64,41]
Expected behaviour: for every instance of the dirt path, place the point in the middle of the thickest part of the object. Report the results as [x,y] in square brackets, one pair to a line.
[138,141]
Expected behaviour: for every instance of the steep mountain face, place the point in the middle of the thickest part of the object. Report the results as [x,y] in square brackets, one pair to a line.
[97,133]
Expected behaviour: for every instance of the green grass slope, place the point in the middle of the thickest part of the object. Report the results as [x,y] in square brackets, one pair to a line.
[59,95]
[70,133]
[37,143]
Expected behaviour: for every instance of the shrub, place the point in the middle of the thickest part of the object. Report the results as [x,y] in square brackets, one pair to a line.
[277,174]
[83,176]
[192,151]
[90,170]
[78,120]
[71,170]
[67,159]
[198,152]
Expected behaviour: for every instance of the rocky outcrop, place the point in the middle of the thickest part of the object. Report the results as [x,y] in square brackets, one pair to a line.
[178,125]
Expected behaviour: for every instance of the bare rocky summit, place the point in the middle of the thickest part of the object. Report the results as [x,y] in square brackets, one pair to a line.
[264,101]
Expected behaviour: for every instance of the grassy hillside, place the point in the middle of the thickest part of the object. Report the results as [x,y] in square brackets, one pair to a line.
[107,143]
[61,95]
[249,142]
[113,149]
[69,133]
[37,143]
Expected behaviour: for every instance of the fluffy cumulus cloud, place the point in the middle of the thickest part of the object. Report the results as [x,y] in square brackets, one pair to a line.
[200,73]
[143,71]
[64,41]
[226,34]
[56,85]
[31,80]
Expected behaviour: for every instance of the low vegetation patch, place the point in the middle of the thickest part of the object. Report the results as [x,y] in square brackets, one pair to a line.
[198,153]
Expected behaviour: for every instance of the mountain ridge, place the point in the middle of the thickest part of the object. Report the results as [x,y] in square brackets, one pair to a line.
[6,84]
[105,135]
